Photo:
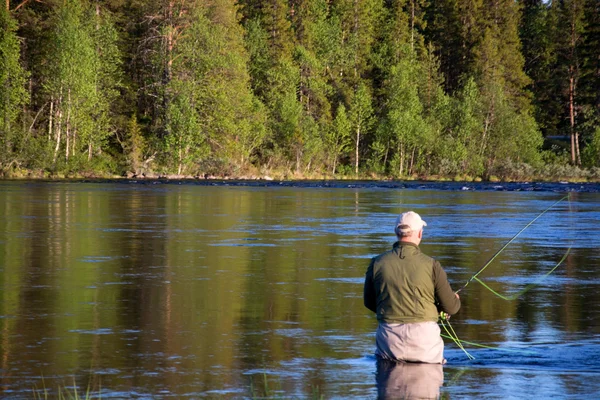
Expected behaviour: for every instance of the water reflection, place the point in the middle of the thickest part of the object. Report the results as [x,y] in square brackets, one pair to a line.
[408,380]
[183,291]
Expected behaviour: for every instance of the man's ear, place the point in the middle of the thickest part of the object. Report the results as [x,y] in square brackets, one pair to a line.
[420,235]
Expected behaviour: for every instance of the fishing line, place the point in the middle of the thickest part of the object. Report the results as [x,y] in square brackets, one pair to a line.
[483,346]
[452,334]
[509,242]
[528,287]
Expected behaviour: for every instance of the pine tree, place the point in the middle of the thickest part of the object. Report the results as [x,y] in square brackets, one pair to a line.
[498,56]
[589,83]
[107,70]
[571,27]
[339,139]
[455,29]
[309,19]
[275,77]
[162,26]
[308,23]
[272,16]
[358,21]
[539,52]
[134,146]
[498,68]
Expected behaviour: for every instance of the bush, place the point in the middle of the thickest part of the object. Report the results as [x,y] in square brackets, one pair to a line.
[509,170]
[562,172]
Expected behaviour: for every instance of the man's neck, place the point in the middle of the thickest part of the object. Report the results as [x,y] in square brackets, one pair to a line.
[409,241]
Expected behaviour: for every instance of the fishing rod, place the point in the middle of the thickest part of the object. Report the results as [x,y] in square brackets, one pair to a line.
[507,243]
[445,319]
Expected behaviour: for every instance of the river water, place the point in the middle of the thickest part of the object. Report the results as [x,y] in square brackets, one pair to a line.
[253,290]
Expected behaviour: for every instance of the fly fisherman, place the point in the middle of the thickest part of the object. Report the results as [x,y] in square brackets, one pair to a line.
[407,290]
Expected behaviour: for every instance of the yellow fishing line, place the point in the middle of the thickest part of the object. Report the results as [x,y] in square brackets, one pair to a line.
[486,346]
[451,334]
[510,241]
[528,287]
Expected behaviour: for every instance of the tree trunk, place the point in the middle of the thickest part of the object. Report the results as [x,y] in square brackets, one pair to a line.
[50,118]
[73,140]
[58,128]
[575,159]
[412,25]
[68,126]
[387,153]
[356,33]
[412,161]
[572,87]
[170,40]
[400,151]
[356,149]
[489,118]
[180,167]
[577,153]
[298,157]
[571,118]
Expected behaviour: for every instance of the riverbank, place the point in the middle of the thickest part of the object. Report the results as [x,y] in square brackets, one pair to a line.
[550,173]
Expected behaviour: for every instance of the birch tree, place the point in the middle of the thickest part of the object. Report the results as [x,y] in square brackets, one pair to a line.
[81,79]
[13,95]
[213,110]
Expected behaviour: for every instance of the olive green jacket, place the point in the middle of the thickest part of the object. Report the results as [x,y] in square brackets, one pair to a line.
[404,285]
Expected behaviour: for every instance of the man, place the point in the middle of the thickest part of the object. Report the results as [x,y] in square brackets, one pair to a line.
[407,290]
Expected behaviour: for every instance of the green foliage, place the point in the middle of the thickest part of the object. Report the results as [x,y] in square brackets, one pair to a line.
[70,82]
[185,142]
[13,95]
[286,113]
[536,32]
[212,109]
[404,123]
[108,77]
[257,43]
[338,141]
[461,153]
[134,145]
[405,89]
[361,119]
[81,80]
[591,153]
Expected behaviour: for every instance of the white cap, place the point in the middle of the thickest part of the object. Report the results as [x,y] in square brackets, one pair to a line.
[407,223]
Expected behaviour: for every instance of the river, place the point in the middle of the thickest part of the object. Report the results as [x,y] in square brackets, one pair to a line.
[245,290]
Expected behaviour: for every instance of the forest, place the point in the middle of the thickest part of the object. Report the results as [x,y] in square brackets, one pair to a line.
[301,89]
